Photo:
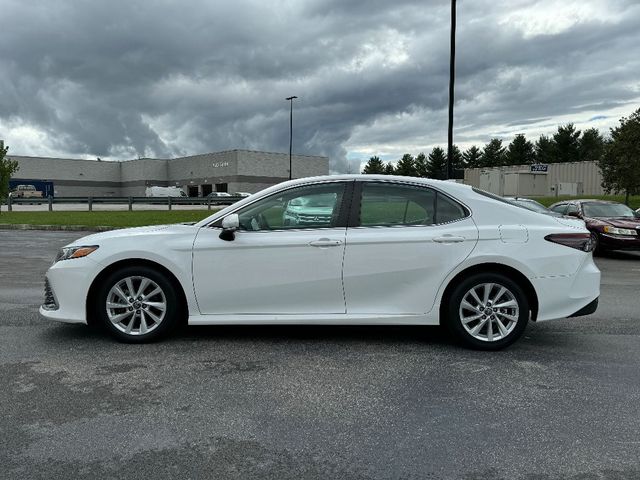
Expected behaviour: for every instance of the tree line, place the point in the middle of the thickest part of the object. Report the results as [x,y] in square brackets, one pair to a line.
[566,145]
[617,155]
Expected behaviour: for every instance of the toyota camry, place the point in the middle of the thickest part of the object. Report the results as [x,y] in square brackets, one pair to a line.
[378,250]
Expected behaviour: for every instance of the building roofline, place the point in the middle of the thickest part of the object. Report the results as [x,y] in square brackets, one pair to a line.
[166,159]
[249,151]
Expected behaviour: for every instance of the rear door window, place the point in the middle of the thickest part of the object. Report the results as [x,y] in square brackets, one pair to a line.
[389,204]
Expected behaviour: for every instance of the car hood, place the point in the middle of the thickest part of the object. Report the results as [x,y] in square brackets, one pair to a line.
[632,223]
[168,230]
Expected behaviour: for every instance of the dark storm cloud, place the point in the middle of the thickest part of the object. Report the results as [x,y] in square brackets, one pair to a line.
[120,79]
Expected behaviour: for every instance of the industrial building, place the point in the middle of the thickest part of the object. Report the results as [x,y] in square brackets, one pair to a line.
[198,175]
[554,179]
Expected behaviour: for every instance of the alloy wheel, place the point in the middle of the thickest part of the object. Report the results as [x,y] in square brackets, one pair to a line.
[136,305]
[489,312]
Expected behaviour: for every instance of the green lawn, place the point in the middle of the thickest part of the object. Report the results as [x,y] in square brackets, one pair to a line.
[634,201]
[100,218]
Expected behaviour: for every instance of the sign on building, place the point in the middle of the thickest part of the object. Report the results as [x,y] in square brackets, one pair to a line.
[539,168]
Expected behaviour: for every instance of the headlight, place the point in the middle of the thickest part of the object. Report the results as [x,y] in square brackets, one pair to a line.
[620,231]
[67,253]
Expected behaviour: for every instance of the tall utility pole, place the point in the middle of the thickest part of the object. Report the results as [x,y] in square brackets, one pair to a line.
[452,76]
[290,133]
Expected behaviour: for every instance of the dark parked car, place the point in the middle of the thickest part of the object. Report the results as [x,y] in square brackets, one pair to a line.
[533,205]
[613,225]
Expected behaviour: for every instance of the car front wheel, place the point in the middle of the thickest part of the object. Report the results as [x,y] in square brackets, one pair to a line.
[137,304]
[487,311]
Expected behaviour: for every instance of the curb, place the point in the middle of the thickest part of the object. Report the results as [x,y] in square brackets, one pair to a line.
[62,228]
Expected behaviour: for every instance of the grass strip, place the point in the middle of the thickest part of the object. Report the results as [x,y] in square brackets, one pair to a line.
[104,218]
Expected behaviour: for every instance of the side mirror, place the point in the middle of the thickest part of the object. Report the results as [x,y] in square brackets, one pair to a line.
[230,224]
[573,214]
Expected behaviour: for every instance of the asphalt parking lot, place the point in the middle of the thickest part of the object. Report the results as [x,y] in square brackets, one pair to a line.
[315,402]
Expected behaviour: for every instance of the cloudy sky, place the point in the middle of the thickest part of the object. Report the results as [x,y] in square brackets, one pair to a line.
[158,78]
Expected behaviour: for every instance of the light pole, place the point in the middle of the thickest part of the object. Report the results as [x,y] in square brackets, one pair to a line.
[290,99]
[452,75]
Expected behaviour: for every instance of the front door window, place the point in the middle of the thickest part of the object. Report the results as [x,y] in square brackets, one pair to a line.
[303,207]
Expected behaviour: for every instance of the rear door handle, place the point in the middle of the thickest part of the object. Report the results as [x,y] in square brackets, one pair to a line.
[448,239]
[325,242]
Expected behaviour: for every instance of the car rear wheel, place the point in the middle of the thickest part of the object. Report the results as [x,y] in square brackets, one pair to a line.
[137,304]
[487,311]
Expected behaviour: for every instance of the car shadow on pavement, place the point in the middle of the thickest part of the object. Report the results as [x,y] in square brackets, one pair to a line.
[67,332]
[331,334]
[273,334]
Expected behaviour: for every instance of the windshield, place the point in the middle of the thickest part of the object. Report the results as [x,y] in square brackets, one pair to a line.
[594,209]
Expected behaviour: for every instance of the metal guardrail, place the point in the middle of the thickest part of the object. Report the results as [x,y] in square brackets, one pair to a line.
[130,201]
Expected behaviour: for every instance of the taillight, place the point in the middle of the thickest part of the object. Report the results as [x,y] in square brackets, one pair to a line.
[579,241]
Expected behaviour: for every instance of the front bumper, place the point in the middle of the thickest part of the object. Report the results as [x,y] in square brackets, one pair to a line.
[619,242]
[67,284]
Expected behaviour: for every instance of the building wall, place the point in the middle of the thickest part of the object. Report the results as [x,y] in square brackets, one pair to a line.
[241,171]
[276,165]
[72,177]
[137,175]
[585,173]
[206,169]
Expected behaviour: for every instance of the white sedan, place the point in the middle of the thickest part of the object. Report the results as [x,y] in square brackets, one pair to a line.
[391,250]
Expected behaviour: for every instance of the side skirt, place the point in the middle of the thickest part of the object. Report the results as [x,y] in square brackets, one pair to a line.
[323,319]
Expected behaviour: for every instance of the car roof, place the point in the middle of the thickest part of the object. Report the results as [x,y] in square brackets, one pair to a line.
[594,200]
[444,184]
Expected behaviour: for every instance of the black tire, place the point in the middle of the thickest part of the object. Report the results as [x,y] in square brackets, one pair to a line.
[452,313]
[172,309]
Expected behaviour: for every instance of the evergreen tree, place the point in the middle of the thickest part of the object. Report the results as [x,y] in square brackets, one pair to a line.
[389,169]
[437,166]
[493,154]
[545,149]
[458,159]
[567,143]
[592,145]
[471,157]
[520,151]
[406,166]
[422,165]
[373,166]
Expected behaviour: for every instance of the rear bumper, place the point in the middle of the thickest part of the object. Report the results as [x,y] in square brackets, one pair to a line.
[564,296]
[588,310]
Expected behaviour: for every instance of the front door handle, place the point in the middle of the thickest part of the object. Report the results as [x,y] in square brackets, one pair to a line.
[325,242]
[448,239]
